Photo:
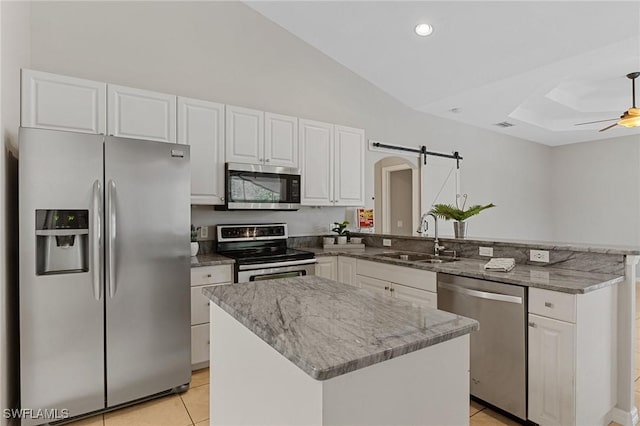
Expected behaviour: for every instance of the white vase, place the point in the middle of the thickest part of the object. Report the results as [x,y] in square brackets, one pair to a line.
[194,248]
[342,239]
[356,240]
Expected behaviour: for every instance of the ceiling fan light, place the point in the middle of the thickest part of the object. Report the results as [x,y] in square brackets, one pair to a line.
[631,118]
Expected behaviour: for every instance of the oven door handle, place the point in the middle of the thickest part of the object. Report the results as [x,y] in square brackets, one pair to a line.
[276,264]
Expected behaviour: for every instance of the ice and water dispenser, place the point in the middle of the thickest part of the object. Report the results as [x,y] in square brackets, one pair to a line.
[62,241]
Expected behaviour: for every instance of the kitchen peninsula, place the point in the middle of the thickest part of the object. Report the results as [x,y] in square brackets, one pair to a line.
[309,350]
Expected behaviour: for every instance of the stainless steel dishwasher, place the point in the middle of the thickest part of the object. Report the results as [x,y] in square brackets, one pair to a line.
[498,349]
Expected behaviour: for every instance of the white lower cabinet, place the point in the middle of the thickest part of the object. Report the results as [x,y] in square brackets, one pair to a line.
[199,346]
[414,296]
[551,371]
[327,267]
[412,285]
[347,270]
[201,277]
[572,357]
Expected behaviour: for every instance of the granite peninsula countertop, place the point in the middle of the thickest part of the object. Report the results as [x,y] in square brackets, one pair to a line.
[549,278]
[328,329]
[211,259]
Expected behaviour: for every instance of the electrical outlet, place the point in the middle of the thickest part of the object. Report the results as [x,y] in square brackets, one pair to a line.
[539,256]
[204,232]
[486,251]
[386,242]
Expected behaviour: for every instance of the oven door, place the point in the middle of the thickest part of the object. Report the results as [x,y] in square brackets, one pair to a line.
[272,271]
[258,187]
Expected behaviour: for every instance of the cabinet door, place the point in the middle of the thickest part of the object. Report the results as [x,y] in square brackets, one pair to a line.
[141,114]
[199,343]
[199,306]
[373,284]
[57,102]
[201,126]
[414,296]
[244,135]
[349,166]
[280,140]
[316,163]
[347,270]
[327,267]
[551,371]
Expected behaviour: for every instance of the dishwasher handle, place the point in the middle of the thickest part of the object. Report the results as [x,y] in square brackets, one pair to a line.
[481,294]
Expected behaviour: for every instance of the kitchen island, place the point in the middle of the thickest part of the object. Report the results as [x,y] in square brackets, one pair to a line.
[309,350]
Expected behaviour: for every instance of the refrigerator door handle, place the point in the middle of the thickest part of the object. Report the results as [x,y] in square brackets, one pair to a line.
[96,258]
[111,238]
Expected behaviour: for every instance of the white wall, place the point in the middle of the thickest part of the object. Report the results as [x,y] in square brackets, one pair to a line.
[226,52]
[14,54]
[596,192]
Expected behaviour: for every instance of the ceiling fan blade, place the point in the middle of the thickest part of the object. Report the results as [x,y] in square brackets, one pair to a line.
[592,122]
[608,127]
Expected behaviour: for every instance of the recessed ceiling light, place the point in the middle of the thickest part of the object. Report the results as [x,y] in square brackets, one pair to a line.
[424,29]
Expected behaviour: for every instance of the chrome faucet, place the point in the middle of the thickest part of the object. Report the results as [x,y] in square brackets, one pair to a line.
[424,226]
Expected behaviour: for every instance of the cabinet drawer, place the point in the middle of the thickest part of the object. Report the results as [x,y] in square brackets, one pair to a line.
[199,343]
[211,275]
[552,304]
[416,278]
[199,306]
[415,297]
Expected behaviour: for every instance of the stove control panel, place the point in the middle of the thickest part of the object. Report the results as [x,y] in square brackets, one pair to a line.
[270,231]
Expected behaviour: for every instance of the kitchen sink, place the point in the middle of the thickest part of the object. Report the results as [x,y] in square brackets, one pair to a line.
[418,257]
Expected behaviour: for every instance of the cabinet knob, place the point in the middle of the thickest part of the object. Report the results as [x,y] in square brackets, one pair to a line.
[392,289]
[266,160]
[209,303]
[548,305]
[208,275]
[386,287]
[532,324]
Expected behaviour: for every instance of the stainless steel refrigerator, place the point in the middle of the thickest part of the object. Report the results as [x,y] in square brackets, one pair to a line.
[104,270]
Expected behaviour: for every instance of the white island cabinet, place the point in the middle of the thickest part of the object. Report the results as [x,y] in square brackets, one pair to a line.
[331,362]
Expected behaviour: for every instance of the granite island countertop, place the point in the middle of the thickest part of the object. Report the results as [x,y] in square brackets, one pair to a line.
[328,329]
[549,278]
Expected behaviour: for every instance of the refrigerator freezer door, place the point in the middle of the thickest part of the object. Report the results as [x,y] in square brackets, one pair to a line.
[61,314]
[148,260]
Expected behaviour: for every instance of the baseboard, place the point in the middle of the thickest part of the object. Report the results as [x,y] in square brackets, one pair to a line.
[625,418]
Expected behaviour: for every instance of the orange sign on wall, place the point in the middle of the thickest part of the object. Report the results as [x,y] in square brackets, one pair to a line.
[365,218]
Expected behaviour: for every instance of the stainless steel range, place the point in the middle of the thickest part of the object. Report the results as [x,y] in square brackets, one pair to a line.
[261,252]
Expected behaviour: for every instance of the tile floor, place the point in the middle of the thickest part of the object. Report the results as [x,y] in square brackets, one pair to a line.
[187,409]
[192,407]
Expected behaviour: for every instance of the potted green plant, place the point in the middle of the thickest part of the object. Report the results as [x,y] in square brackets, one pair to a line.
[460,215]
[194,241]
[340,228]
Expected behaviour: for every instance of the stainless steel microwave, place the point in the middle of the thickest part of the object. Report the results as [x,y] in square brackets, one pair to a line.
[260,187]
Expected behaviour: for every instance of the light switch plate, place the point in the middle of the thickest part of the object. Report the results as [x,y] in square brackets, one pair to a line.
[539,256]
[486,251]
[204,232]
[386,242]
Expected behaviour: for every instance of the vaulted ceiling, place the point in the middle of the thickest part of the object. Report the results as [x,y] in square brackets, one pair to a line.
[541,66]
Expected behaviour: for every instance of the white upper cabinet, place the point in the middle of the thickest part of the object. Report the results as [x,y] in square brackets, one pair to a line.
[57,102]
[332,163]
[316,163]
[280,140]
[349,166]
[244,135]
[201,126]
[141,114]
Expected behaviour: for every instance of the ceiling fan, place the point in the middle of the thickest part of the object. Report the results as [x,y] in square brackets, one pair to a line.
[631,117]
